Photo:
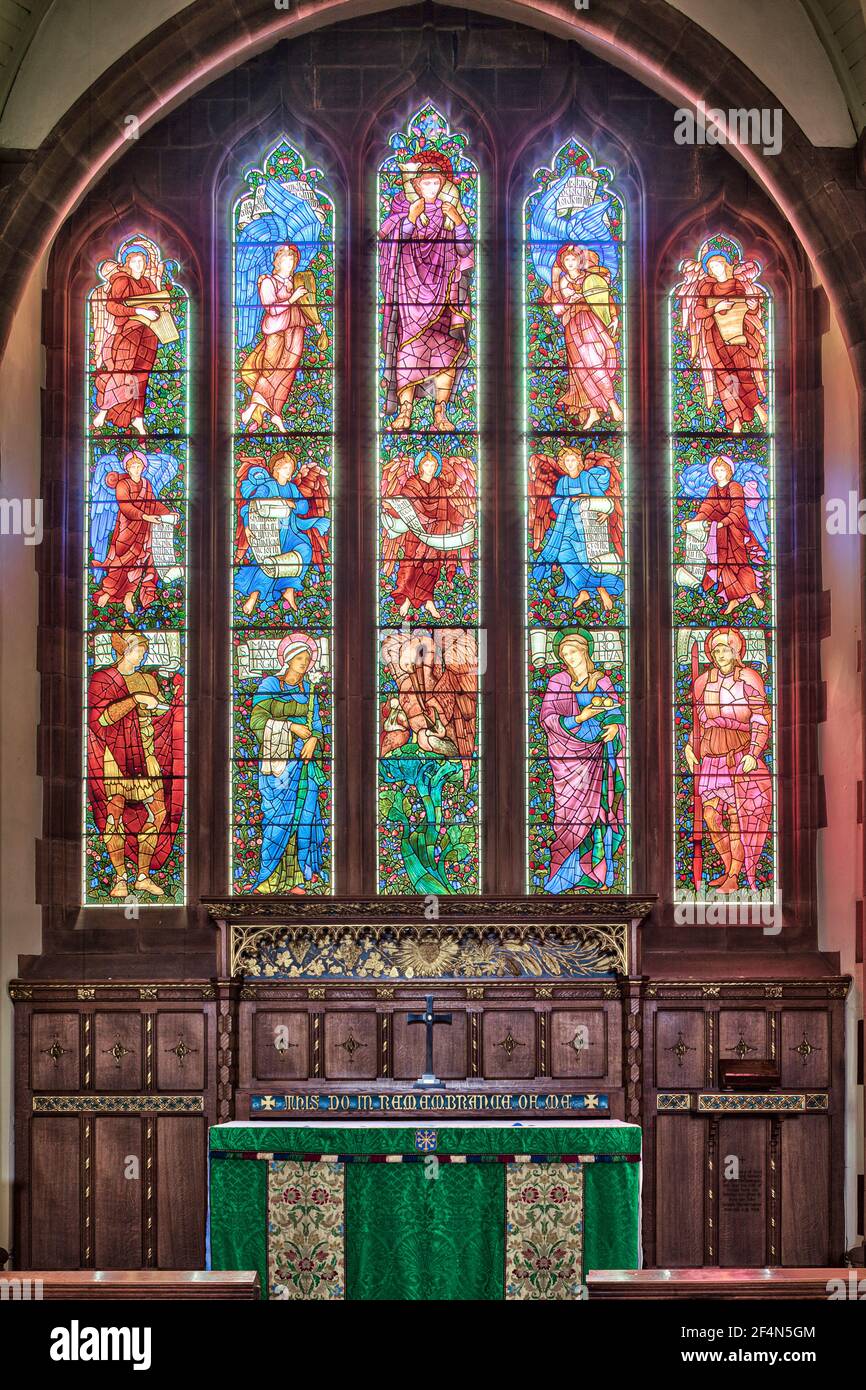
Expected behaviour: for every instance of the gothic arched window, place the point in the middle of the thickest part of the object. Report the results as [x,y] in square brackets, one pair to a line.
[282,478]
[575,447]
[723,567]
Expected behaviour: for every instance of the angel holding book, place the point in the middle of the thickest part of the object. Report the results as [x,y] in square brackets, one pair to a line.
[275,295]
[727,341]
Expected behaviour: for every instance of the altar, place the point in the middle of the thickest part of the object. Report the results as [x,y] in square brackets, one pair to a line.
[428,1210]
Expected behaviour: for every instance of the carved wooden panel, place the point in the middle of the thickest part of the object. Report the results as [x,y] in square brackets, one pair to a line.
[55,1192]
[281,1044]
[119,1176]
[679,1048]
[180,1191]
[742,1150]
[55,1051]
[805,1047]
[579,1044]
[117,1050]
[508,1044]
[744,1034]
[351,1048]
[450,1058]
[680,1166]
[180,1051]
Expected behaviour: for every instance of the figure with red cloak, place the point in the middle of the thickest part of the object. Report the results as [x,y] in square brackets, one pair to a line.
[580,296]
[127,562]
[135,765]
[721,313]
[725,753]
[428,521]
[426,256]
[734,555]
[126,345]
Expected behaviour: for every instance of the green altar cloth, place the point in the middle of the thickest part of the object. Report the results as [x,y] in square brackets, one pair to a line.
[450,1210]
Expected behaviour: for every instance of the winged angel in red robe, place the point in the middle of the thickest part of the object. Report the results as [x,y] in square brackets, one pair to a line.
[124,342]
[722,315]
[428,521]
[135,764]
[436,705]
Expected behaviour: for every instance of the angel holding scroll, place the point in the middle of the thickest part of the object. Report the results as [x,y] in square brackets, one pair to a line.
[426,255]
[428,522]
[281,509]
[125,508]
[727,342]
[731,527]
[275,291]
[576,521]
[131,317]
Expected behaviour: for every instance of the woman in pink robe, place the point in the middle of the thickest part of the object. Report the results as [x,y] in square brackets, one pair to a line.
[579,294]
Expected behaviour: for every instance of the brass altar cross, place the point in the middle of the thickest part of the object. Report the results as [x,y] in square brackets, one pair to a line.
[429,1081]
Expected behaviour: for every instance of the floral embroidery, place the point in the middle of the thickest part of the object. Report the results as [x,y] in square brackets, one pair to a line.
[306,1229]
[544,1237]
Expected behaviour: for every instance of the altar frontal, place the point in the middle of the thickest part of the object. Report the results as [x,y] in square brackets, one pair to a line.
[457,1210]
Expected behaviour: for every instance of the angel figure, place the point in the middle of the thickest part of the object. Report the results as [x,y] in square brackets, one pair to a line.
[428,520]
[576,521]
[282,518]
[124,507]
[436,703]
[732,525]
[580,296]
[721,313]
[426,257]
[125,309]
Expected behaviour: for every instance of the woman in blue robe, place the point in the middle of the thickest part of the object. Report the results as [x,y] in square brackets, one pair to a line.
[288,728]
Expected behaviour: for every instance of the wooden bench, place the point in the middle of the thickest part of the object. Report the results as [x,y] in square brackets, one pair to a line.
[724,1283]
[149,1284]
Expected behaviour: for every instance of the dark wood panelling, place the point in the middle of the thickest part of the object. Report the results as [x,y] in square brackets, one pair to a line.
[508,1044]
[56,1187]
[281,1045]
[181,1191]
[55,1051]
[450,1056]
[118,1050]
[805,1182]
[744,1033]
[579,1044]
[119,1176]
[180,1051]
[741,1159]
[805,1047]
[680,1048]
[679,1191]
[351,1050]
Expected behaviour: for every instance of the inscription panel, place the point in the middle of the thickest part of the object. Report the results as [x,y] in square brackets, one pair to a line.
[742,1181]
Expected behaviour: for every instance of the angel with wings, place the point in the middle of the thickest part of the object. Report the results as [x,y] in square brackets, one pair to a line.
[576,523]
[580,296]
[428,520]
[436,705]
[282,518]
[124,507]
[124,341]
[734,528]
[276,300]
[722,315]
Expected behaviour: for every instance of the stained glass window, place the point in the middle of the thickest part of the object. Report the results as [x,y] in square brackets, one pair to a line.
[722,570]
[575,478]
[135,591]
[428,576]
[282,476]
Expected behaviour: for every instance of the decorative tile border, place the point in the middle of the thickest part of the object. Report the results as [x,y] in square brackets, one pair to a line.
[136,1105]
[746,1102]
[340,1104]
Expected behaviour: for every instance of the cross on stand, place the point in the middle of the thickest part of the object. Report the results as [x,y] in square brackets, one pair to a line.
[429,1081]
